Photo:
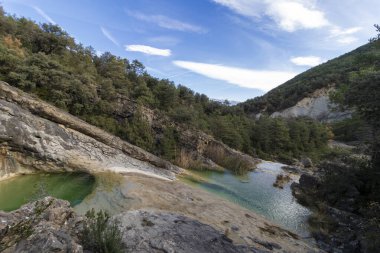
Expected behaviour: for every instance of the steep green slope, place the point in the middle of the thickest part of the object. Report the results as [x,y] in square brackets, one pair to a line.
[336,72]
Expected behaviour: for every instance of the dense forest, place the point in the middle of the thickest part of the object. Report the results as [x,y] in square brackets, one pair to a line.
[44,60]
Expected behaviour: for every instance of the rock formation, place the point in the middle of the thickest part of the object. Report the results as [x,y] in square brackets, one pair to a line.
[35,135]
[50,225]
[316,106]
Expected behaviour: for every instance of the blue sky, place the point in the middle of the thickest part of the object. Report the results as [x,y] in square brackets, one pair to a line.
[226,49]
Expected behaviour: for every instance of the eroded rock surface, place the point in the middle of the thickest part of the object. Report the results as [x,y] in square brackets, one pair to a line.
[317,106]
[54,227]
[48,225]
[148,231]
[37,136]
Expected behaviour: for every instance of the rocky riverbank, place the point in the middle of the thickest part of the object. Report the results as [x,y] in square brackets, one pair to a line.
[50,225]
[340,227]
[242,226]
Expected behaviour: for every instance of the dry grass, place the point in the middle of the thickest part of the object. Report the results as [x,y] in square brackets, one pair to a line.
[186,160]
[232,162]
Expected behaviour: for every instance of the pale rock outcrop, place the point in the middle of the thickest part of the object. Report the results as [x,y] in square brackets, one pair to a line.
[317,106]
[35,135]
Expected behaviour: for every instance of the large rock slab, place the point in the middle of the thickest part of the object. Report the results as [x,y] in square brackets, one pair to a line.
[156,232]
[35,135]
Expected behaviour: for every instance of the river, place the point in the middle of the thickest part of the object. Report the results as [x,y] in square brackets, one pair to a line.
[256,192]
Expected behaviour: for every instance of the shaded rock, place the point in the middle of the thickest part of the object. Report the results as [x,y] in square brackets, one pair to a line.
[281,181]
[308,182]
[291,169]
[48,225]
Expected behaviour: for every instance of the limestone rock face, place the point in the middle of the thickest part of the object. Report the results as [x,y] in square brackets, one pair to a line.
[35,135]
[316,106]
[148,231]
[54,227]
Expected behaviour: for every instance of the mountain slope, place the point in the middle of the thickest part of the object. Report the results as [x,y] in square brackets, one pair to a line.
[330,75]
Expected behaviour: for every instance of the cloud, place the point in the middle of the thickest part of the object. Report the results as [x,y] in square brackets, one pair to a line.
[347,40]
[166,22]
[166,40]
[344,36]
[44,15]
[293,15]
[289,15]
[247,78]
[310,61]
[148,50]
[109,36]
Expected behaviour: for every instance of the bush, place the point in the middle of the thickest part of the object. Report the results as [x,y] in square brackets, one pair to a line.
[231,162]
[101,234]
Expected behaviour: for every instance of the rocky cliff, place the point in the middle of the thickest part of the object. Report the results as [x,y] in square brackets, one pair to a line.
[38,136]
[35,135]
[317,106]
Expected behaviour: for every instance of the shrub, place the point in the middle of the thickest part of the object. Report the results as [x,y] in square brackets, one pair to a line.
[101,234]
[232,162]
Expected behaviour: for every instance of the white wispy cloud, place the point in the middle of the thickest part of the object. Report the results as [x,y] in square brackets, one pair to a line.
[109,36]
[344,36]
[166,22]
[247,78]
[292,15]
[289,15]
[347,40]
[44,15]
[148,50]
[310,61]
[166,40]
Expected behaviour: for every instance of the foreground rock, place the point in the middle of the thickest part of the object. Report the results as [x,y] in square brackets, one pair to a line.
[148,231]
[50,225]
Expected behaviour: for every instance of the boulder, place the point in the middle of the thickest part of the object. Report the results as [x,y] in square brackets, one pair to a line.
[306,162]
[47,225]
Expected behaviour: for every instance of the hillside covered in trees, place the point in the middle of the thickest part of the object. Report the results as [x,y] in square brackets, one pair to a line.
[44,60]
[338,73]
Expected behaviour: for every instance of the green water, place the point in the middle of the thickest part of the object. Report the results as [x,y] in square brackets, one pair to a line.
[255,191]
[17,191]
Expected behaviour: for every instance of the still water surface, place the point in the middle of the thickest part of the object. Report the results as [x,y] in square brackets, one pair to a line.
[255,191]
[19,190]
